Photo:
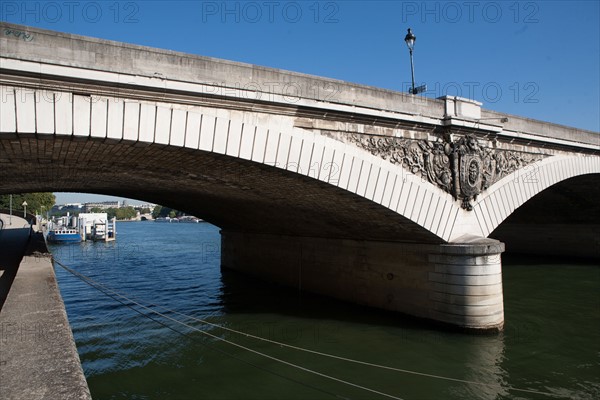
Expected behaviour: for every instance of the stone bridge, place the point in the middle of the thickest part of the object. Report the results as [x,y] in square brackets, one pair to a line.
[372,196]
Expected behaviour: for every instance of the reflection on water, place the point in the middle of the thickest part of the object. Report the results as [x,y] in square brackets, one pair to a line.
[482,358]
[550,343]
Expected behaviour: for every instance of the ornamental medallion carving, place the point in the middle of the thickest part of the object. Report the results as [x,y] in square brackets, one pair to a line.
[474,172]
[470,175]
[462,168]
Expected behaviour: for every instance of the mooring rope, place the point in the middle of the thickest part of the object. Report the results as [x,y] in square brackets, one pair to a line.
[105,290]
[281,344]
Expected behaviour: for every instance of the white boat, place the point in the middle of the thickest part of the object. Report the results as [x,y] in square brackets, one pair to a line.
[162,219]
[189,220]
[99,231]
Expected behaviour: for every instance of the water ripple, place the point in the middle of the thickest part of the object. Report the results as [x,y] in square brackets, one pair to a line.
[127,356]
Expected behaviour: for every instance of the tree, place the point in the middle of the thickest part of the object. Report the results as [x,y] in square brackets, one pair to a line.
[162,212]
[111,212]
[126,213]
[156,212]
[36,202]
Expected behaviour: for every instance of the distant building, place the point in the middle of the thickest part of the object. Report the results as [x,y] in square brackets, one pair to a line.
[103,205]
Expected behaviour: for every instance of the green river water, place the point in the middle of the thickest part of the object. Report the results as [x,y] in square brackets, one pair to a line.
[550,348]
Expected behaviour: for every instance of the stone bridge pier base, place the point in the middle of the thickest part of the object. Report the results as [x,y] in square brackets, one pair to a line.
[457,284]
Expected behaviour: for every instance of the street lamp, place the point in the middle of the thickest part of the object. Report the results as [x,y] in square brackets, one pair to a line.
[410,40]
[24,209]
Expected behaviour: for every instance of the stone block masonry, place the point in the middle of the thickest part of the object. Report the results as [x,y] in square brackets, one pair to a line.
[456,284]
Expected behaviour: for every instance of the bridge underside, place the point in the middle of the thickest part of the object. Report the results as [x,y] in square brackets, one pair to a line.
[231,193]
[563,220]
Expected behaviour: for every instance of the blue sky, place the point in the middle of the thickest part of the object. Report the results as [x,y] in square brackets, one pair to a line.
[538,59]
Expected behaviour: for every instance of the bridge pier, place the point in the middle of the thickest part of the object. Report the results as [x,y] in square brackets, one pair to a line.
[458,284]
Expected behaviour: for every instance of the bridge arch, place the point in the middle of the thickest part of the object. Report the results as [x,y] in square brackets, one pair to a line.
[74,142]
[118,128]
[497,203]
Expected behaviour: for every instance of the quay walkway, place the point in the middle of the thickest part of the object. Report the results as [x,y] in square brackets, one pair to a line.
[38,357]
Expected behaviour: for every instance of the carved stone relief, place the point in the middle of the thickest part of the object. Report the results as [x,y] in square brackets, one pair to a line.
[462,168]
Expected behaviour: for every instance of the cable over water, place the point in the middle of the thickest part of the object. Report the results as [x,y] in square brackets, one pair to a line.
[111,293]
[132,299]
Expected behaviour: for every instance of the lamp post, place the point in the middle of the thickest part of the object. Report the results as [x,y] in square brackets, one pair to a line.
[24,209]
[410,40]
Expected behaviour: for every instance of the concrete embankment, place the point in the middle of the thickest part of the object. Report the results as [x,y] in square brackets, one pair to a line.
[38,357]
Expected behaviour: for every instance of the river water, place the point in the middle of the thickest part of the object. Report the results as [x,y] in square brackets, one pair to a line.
[550,347]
